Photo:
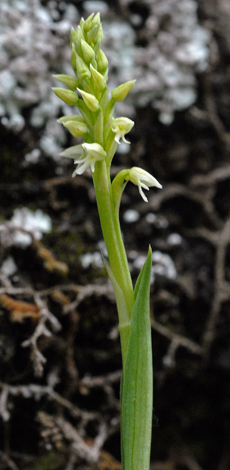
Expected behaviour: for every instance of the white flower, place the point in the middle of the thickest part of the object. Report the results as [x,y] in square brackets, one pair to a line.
[85,156]
[142,179]
[121,126]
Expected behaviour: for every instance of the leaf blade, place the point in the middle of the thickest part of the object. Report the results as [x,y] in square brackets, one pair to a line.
[137,387]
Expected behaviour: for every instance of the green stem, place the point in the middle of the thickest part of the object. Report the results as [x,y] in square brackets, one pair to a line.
[112,234]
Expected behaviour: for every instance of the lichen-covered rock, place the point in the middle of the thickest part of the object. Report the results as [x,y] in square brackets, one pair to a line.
[32,46]
[162,48]
[176,48]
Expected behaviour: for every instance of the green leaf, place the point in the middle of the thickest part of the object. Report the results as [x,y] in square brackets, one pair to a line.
[137,386]
[139,278]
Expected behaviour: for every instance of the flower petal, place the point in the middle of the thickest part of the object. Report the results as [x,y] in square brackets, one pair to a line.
[73,152]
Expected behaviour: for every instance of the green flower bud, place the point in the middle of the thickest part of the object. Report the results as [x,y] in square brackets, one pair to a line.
[100,34]
[77,47]
[120,93]
[79,35]
[88,52]
[97,46]
[77,129]
[72,37]
[102,62]
[70,82]
[82,22]
[73,59]
[92,35]
[90,100]
[82,69]
[97,21]
[68,96]
[88,23]
[72,117]
[97,78]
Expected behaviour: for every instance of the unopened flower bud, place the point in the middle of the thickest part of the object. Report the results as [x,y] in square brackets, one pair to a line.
[90,100]
[73,60]
[69,81]
[87,25]
[76,46]
[72,36]
[82,69]
[96,20]
[92,35]
[100,33]
[88,52]
[68,96]
[76,128]
[72,117]
[79,35]
[120,93]
[102,62]
[97,78]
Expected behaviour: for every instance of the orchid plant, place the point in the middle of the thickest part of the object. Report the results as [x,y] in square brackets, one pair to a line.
[102,133]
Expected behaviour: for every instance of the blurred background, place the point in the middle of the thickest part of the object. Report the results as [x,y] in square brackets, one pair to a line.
[60,362]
